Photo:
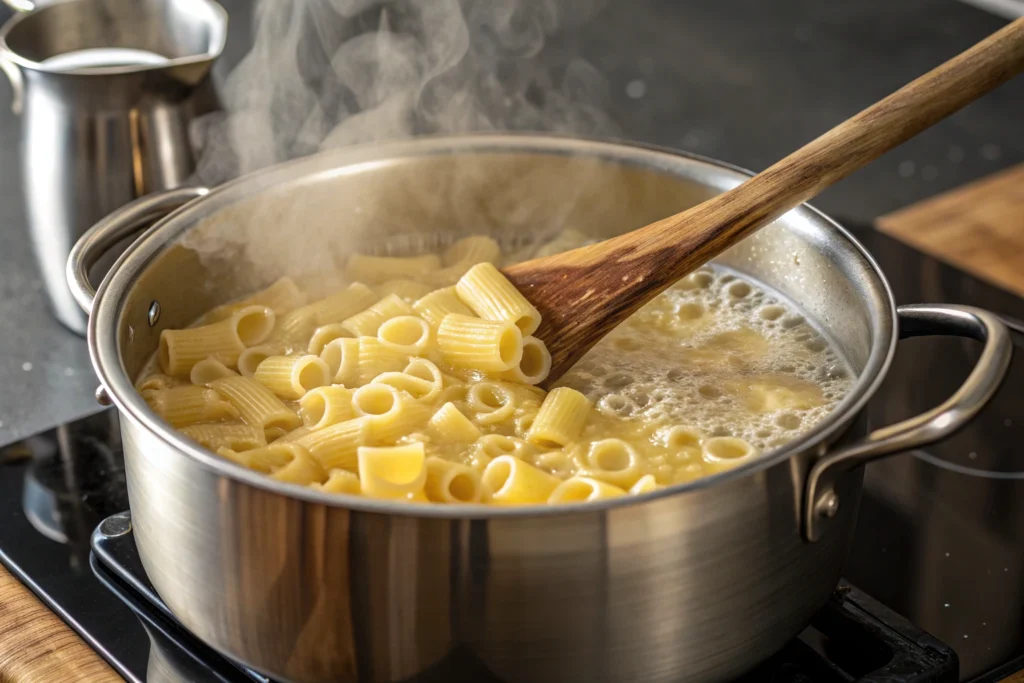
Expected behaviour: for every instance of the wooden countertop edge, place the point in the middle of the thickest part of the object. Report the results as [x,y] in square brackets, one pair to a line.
[36,646]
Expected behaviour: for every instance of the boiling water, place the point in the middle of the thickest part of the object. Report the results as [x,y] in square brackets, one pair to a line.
[720,355]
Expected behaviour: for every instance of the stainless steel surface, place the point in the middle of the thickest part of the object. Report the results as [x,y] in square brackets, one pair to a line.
[125,222]
[95,137]
[821,501]
[698,582]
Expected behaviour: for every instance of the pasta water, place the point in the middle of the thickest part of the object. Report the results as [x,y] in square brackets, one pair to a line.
[416,379]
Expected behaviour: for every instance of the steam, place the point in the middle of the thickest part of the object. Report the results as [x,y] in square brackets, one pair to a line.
[329,73]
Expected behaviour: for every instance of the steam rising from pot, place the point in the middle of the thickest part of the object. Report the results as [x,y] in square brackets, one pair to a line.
[325,74]
[328,73]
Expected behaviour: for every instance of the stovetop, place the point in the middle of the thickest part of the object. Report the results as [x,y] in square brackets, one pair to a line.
[940,539]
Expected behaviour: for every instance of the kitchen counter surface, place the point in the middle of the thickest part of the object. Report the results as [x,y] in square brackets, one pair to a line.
[745,81]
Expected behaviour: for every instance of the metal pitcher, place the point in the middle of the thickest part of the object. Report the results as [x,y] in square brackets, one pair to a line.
[106,91]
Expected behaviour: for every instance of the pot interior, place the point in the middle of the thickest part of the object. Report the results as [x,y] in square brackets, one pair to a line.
[302,218]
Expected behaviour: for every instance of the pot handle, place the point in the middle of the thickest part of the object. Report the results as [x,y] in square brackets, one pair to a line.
[821,500]
[130,218]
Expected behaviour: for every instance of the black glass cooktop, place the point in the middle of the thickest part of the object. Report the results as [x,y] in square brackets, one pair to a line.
[940,539]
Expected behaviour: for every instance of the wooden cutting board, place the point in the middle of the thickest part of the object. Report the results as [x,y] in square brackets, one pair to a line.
[36,646]
[978,228]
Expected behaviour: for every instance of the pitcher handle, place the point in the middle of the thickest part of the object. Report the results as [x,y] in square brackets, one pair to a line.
[129,219]
[821,500]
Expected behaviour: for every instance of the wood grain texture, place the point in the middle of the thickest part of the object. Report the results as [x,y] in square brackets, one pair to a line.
[584,293]
[1013,678]
[36,646]
[978,228]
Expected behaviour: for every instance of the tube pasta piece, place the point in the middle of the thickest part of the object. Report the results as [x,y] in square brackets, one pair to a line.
[205,371]
[225,340]
[560,419]
[288,462]
[290,377]
[726,450]
[254,355]
[477,344]
[293,435]
[584,490]
[417,389]
[683,437]
[423,369]
[342,305]
[342,358]
[280,297]
[409,290]
[406,334]
[644,484]
[293,330]
[389,416]
[154,381]
[334,447]
[256,404]
[367,322]
[534,366]
[613,461]
[325,406]
[237,437]
[496,445]
[448,424]
[376,269]
[396,472]
[375,359]
[451,482]
[340,481]
[435,306]
[472,250]
[322,336]
[514,482]
[491,296]
[189,405]
[490,402]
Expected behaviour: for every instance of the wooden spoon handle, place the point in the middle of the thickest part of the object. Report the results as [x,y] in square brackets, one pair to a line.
[622,273]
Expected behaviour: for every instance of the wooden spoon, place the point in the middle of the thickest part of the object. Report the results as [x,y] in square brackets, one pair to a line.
[584,293]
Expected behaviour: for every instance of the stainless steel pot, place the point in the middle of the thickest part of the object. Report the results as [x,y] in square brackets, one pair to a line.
[698,582]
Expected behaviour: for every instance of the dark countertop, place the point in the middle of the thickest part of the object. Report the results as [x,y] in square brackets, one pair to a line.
[743,80]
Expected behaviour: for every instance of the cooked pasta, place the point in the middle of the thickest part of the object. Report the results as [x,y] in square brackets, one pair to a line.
[435,306]
[398,472]
[451,482]
[583,490]
[478,344]
[419,380]
[490,295]
[534,365]
[257,405]
[335,446]
[560,419]
[224,340]
[205,371]
[406,334]
[189,405]
[290,377]
[512,481]
[325,406]
[236,436]
[367,322]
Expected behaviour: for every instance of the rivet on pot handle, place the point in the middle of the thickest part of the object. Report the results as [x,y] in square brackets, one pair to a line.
[821,502]
[130,218]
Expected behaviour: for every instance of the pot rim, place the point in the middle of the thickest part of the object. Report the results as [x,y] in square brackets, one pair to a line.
[106,359]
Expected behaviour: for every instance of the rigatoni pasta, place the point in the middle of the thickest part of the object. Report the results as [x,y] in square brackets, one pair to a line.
[419,380]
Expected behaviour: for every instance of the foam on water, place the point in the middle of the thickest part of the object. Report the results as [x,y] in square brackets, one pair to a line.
[718,354]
